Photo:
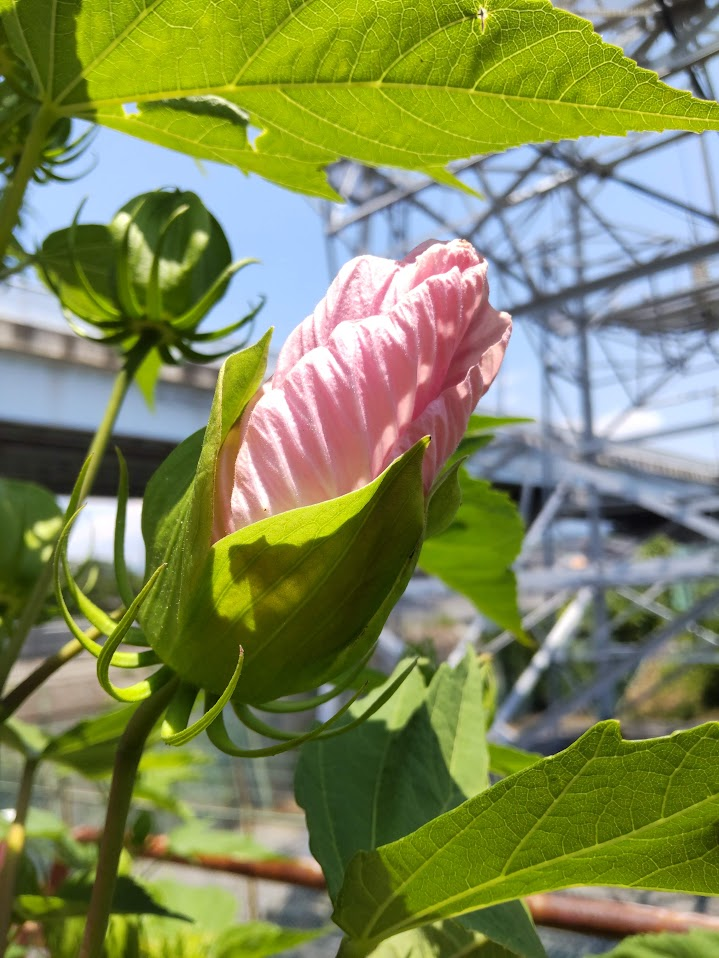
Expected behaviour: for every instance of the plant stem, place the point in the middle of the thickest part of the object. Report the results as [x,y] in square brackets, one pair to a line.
[14,846]
[13,700]
[129,753]
[14,193]
[97,449]
[99,443]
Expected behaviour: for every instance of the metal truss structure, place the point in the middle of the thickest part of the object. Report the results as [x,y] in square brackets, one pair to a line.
[606,252]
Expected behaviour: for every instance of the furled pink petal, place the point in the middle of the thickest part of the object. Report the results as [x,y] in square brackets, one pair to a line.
[368,286]
[396,351]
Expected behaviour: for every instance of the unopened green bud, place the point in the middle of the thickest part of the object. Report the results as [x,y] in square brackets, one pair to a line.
[152,274]
[170,252]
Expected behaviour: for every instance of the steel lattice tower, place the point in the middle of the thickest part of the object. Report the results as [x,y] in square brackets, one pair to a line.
[606,252]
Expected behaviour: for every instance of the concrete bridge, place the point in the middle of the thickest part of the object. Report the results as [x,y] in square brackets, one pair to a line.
[53,390]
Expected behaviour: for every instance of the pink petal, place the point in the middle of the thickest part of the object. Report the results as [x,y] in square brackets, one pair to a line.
[394,352]
[367,286]
[344,409]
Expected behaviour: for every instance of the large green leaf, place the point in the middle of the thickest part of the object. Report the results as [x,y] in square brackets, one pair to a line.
[604,812]
[413,86]
[418,756]
[446,939]
[344,784]
[474,554]
[694,944]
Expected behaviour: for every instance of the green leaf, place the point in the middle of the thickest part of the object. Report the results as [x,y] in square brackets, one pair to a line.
[446,939]
[197,838]
[421,754]
[63,939]
[208,907]
[382,83]
[260,939]
[480,432]
[604,812]
[147,376]
[292,592]
[694,944]
[90,747]
[167,500]
[73,898]
[341,782]
[474,554]
[506,759]
[29,740]
[40,824]
[479,424]
[31,521]
[213,933]
[162,770]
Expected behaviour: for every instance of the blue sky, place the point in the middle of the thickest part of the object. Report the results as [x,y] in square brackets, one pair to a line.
[261,220]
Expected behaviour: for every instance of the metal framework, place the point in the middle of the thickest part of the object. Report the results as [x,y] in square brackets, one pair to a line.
[606,251]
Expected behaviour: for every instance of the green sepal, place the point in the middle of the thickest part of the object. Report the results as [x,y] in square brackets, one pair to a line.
[77,263]
[178,508]
[305,593]
[147,376]
[444,501]
[171,236]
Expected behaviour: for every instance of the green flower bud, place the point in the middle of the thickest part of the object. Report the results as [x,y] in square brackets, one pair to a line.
[150,276]
[304,593]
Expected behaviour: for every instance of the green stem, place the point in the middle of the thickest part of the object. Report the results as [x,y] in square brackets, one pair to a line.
[13,700]
[127,760]
[114,404]
[96,451]
[14,846]
[14,193]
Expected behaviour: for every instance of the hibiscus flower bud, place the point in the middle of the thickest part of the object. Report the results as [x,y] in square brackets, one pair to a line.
[394,352]
[311,494]
[151,275]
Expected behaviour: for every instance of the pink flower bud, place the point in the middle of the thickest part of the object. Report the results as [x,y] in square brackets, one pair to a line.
[394,352]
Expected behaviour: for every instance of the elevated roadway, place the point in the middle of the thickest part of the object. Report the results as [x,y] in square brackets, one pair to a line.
[53,390]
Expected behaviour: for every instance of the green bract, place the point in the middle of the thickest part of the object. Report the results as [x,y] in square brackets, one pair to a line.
[150,276]
[304,593]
